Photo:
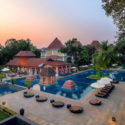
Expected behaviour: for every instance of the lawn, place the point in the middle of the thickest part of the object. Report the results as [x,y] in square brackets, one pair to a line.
[96,77]
[3,116]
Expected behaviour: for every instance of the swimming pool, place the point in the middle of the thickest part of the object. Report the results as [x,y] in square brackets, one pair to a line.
[83,84]
[7,90]
[123,68]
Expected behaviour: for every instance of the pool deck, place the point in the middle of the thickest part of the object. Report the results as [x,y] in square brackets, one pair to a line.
[44,114]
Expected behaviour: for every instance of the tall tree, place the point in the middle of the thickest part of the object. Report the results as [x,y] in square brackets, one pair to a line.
[69,49]
[83,58]
[81,55]
[116,9]
[11,49]
[106,57]
[10,41]
[120,48]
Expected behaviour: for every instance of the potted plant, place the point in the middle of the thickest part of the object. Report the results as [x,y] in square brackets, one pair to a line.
[1,76]
[12,80]
[28,83]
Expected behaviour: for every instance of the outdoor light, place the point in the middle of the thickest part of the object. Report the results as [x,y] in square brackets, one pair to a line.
[114,119]
[3,103]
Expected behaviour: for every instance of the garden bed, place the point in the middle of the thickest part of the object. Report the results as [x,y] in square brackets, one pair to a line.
[96,77]
[5,113]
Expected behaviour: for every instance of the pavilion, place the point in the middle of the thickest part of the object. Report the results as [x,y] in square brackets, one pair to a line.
[26,61]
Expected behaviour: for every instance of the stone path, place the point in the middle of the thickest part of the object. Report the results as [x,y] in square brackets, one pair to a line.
[45,114]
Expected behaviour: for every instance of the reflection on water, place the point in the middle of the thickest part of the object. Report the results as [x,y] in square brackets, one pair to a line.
[82,84]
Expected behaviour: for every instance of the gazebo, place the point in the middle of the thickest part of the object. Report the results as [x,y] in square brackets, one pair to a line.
[47,75]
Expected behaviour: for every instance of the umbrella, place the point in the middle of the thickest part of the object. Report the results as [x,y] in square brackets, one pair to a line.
[114,64]
[83,66]
[97,85]
[86,66]
[73,67]
[91,64]
[105,80]
[5,69]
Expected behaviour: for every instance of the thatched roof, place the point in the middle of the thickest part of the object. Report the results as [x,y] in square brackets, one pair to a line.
[48,71]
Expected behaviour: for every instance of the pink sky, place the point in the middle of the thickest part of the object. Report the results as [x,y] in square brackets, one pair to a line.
[43,20]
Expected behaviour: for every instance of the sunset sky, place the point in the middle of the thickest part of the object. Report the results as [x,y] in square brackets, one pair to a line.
[43,20]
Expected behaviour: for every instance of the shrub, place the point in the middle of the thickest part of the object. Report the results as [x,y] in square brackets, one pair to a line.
[28,83]
[74,65]
[12,80]
[8,111]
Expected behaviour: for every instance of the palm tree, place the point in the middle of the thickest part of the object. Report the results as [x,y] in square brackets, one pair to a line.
[105,57]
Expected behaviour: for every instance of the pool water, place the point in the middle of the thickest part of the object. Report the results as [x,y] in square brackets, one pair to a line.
[82,84]
[7,90]
[123,68]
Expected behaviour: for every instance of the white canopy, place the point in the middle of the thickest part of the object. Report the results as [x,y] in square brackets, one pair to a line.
[91,64]
[73,67]
[114,64]
[5,69]
[105,80]
[84,66]
[97,85]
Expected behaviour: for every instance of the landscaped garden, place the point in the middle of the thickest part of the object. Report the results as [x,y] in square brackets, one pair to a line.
[5,113]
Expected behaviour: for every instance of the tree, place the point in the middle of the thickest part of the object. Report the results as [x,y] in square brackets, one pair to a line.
[83,58]
[81,55]
[70,50]
[120,48]
[90,50]
[106,57]
[1,47]
[28,83]
[12,48]
[12,80]
[10,41]
[116,9]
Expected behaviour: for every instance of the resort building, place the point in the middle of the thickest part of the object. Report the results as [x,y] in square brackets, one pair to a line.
[95,43]
[27,62]
[53,48]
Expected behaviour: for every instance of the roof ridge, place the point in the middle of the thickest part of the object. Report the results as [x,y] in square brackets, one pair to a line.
[55,44]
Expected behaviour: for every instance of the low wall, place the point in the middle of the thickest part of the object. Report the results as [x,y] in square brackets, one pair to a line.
[19,88]
[17,120]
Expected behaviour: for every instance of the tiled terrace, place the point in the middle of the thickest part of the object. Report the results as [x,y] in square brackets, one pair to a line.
[45,114]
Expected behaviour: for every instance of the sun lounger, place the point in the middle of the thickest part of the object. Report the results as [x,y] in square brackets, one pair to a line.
[115,82]
[101,95]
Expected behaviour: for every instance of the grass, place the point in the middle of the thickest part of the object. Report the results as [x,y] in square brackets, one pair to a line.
[96,77]
[3,116]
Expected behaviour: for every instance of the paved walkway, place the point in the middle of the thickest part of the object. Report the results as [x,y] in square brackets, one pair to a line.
[45,114]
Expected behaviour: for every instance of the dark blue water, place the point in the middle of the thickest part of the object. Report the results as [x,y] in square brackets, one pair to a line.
[7,90]
[123,68]
[83,84]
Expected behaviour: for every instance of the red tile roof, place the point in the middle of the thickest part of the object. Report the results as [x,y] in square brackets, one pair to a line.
[56,44]
[25,54]
[34,62]
[77,43]
[95,43]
